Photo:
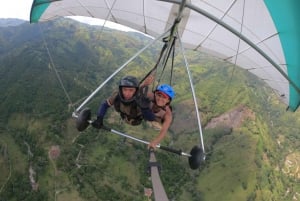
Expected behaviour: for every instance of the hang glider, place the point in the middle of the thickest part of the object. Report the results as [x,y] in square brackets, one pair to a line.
[260,36]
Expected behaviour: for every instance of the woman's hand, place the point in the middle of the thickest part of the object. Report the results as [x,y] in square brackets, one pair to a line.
[149,80]
[153,144]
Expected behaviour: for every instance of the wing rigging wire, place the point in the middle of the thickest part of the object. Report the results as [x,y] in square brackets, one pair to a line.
[110,7]
[215,26]
[238,52]
[194,96]
[217,98]
[55,69]
[87,10]
[235,56]
[109,12]
[144,18]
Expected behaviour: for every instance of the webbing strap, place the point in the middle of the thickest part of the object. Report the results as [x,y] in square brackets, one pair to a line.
[172,66]
[158,61]
[171,48]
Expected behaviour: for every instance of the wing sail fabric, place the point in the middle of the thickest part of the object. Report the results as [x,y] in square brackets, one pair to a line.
[286,18]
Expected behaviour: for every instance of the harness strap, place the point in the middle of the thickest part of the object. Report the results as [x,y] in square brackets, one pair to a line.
[158,61]
[133,118]
[171,38]
[171,49]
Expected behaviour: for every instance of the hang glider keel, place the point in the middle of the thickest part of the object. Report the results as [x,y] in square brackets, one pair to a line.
[154,170]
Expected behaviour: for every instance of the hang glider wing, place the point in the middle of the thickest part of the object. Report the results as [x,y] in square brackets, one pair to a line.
[260,36]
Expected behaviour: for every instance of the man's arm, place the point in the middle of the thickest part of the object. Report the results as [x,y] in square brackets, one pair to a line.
[98,123]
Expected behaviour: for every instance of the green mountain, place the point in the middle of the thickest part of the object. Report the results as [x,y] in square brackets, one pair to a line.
[46,70]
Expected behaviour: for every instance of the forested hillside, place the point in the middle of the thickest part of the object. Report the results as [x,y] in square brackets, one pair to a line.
[47,70]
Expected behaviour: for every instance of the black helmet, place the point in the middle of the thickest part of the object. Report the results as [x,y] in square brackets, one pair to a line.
[128,81]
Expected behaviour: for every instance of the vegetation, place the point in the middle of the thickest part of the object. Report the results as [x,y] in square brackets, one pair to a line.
[253,157]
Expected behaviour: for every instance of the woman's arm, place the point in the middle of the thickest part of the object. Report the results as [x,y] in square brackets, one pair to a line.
[163,131]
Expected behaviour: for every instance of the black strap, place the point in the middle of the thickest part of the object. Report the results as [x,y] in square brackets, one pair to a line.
[158,61]
[172,66]
[166,41]
[172,49]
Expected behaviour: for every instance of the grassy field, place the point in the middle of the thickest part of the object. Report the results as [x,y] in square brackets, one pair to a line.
[231,170]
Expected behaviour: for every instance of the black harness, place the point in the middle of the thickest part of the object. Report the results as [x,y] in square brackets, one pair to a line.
[133,116]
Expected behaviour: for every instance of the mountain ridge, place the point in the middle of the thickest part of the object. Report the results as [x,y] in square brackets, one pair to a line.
[6,22]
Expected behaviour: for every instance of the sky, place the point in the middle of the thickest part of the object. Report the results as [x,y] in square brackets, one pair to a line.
[20,9]
[15,9]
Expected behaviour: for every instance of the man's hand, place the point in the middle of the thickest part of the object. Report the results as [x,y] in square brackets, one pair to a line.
[98,123]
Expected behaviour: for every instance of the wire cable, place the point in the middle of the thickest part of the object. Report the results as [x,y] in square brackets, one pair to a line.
[54,68]
[194,96]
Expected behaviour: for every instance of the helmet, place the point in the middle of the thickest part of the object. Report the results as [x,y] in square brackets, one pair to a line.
[167,89]
[128,81]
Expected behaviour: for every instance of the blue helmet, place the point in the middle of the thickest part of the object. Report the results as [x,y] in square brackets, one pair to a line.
[167,89]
